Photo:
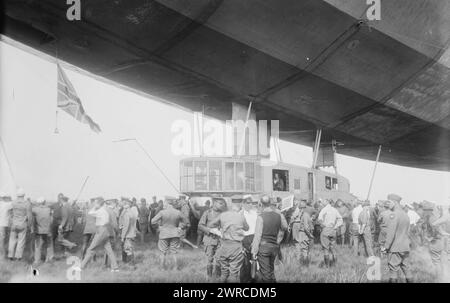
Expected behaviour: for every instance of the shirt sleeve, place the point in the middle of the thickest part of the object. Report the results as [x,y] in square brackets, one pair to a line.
[156,218]
[257,237]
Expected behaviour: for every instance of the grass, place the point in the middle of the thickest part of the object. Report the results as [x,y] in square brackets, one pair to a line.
[191,268]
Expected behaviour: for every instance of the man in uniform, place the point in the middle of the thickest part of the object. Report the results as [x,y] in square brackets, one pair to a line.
[211,241]
[302,228]
[265,245]
[383,220]
[21,223]
[127,226]
[42,216]
[144,214]
[171,222]
[330,220]
[397,240]
[232,225]
[5,218]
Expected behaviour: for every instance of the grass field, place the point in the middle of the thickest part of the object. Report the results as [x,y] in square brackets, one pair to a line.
[191,268]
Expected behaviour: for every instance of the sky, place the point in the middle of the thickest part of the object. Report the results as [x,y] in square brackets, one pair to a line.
[45,163]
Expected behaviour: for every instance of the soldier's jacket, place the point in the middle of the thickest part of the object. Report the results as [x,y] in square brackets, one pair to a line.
[397,236]
[185,210]
[127,224]
[42,216]
[383,220]
[301,222]
[170,222]
[21,215]
[144,213]
[205,223]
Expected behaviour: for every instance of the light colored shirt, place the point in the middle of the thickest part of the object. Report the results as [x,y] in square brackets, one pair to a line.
[5,213]
[250,216]
[330,217]
[101,216]
[413,217]
[355,214]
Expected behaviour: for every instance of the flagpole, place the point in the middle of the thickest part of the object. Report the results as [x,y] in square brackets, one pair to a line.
[82,187]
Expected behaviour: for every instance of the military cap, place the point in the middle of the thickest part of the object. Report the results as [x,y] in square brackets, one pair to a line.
[40,200]
[394,198]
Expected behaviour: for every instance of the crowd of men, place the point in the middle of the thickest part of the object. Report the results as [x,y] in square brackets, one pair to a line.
[241,239]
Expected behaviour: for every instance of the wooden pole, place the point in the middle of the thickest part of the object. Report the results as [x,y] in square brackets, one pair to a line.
[373,172]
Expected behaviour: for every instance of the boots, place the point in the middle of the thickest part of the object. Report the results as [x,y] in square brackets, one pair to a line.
[217,271]
[209,270]
[306,260]
[332,261]
[326,261]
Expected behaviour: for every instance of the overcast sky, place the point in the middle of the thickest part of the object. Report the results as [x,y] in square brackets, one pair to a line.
[45,163]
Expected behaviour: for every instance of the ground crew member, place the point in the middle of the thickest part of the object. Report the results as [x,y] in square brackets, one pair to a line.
[185,210]
[250,212]
[435,236]
[144,214]
[171,222]
[88,222]
[65,228]
[211,241]
[127,225]
[21,222]
[56,222]
[42,216]
[102,235]
[355,227]
[5,218]
[364,229]
[113,224]
[302,229]
[346,217]
[397,240]
[265,246]
[383,220]
[330,220]
[230,255]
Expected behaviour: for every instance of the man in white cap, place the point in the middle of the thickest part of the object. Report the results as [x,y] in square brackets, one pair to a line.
[102,236]
[42,220]
[21,222]
[5,217]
